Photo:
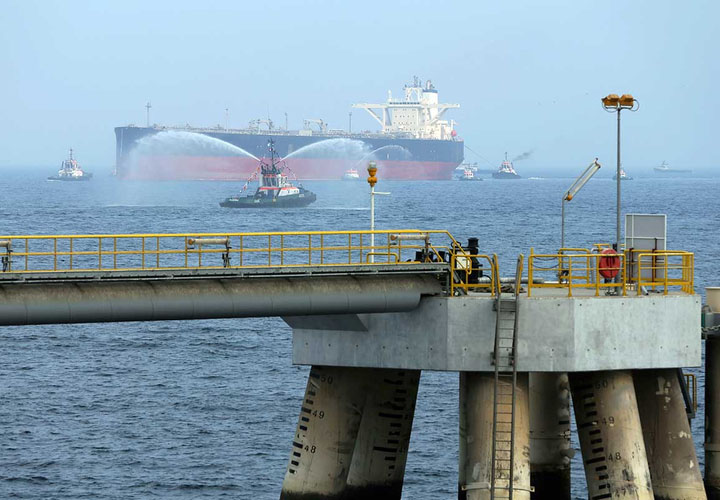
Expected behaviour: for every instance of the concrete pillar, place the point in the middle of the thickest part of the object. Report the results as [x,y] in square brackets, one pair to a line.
[476,423]
[712,417]
[610,435]
[378,463]
[326,432]
[673,463]
[550,449]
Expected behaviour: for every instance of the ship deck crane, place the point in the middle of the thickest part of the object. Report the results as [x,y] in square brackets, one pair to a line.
[322,126]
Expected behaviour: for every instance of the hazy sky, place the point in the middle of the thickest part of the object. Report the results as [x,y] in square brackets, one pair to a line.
[528,75]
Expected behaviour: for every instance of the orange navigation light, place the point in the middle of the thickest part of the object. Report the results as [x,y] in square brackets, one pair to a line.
[611,101]
[626,101]
[372,170]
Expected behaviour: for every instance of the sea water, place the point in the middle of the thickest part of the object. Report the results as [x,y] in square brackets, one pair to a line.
[207,409]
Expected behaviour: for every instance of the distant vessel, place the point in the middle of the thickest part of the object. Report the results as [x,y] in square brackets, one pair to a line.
[623,176]
[415,142]
[351,175]
[70,170]
[469,175]
[665,169]
[506,171]
[274,189]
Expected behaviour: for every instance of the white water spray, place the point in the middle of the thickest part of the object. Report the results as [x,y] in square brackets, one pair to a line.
[178,142]
[349,149]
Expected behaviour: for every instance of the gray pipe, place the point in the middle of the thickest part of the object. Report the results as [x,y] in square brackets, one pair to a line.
[89,302]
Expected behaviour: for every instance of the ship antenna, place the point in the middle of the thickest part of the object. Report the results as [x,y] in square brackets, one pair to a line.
[505,155]
[71,153]
[147,107]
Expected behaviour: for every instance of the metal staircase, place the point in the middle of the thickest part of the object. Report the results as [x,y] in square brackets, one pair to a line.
[504,355]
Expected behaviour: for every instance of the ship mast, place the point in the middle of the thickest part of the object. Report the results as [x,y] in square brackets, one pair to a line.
[147,107]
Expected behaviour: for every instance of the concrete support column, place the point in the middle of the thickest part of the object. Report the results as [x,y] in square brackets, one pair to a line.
[476,424]
[550,449]
[326,432]
[712,417]
[378,462]
[674,467]
[610,435]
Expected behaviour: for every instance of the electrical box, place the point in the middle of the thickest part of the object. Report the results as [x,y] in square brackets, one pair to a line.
[645,233]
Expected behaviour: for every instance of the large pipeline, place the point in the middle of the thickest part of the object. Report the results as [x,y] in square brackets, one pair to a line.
[182,299]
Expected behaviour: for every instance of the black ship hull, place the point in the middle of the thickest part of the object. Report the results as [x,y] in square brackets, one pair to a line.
[291,201]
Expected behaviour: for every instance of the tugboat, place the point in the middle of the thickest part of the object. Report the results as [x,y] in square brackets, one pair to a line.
[506,171]
[623,176]
[351,175]
[274,190]
[469,175]
[70,170]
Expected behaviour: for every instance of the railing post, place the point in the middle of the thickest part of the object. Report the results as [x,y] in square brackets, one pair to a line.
[115,252]
[100,253]
[71,253]
[157,252]
[242,250]
[530,271]
[54,254]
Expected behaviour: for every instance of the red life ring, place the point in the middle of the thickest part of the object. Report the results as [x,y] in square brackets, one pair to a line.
[609,263]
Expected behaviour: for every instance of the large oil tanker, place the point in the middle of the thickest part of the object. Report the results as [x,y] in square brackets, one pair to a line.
[414,143]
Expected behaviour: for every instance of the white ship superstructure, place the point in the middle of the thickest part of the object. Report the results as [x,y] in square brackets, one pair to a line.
[419,114]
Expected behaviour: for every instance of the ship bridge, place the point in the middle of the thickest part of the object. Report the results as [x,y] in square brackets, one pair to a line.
[370,310]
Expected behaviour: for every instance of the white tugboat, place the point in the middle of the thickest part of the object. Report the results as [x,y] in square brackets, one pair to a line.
[351,175]
[70,170]
[506,171]
[623,176]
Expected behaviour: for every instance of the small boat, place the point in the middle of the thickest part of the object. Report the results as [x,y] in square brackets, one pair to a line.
[506,171]
[274,189]
[469,175]
[623,176]
[70,170]
[665,169]
[351,175]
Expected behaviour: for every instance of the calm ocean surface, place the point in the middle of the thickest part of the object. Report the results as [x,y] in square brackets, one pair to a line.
[207,409]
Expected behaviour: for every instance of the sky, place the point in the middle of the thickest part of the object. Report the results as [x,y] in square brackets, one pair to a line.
[528,75]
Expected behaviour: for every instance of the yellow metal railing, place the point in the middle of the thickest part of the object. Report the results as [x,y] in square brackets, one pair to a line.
[129,252]
[662,269]
[572,271]
[639,270]
[466,265]
[577,253]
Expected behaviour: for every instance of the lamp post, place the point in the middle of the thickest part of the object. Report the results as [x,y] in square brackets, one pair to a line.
[612,103]
[372,180]
[572,191]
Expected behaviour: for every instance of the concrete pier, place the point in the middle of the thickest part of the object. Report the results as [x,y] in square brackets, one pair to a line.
[610,435]
[378,462]
[327,429]
[550,449]
[476,424]
[674,467]
[712,417]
